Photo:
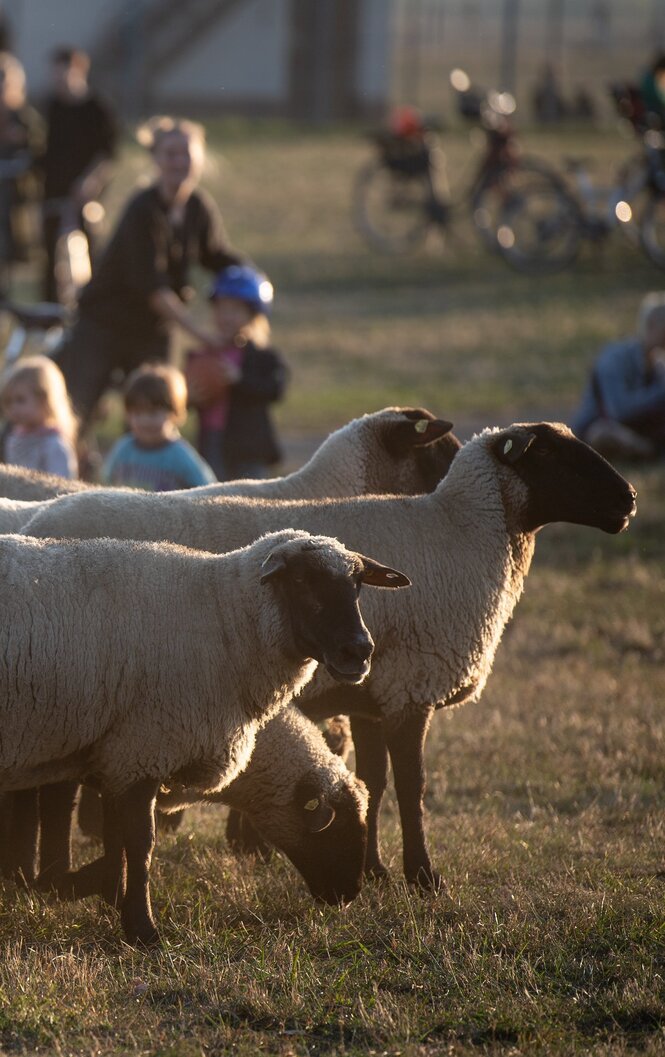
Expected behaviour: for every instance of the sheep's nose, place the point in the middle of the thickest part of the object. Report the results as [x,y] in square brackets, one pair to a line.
[359,649]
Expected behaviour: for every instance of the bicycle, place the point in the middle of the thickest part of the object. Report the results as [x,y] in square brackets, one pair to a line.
[401,193]
[541,229]
[41,325]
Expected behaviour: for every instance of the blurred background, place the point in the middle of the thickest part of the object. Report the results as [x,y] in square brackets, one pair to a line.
[334,59]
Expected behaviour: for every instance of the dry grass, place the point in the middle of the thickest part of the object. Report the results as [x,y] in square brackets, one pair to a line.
[546,799]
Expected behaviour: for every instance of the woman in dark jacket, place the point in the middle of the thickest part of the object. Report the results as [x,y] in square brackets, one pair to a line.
[137,293]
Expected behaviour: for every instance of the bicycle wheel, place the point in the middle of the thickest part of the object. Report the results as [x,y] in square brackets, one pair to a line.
[540,229]
[498,185]
[652,229]
[392,209]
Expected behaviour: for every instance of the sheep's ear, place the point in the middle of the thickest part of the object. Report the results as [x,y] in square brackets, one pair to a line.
[272,565]
[375,575]
[318,815]
[511,446]
[415,431]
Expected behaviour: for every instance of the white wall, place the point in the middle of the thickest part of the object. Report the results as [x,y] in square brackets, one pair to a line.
[41,25]
[247,55]
[374,54]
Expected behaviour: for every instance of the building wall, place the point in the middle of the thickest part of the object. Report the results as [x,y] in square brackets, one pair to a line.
[40,25]
[244,63]
[246,55]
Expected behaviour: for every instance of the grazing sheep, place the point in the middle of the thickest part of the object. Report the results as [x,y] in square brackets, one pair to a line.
[134,664]
[392,451]
[299,796]
[469,545]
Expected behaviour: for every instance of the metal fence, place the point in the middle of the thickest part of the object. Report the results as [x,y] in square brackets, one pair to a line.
[579,46]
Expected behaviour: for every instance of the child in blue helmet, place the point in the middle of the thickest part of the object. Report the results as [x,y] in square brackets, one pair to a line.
[233,382]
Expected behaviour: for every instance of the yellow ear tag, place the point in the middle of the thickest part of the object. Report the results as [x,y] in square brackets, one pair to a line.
[421,425]
[507,446]
[312,805]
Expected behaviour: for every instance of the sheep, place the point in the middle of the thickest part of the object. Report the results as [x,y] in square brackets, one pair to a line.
[299,796]
[17,482]
[101,681]
[15,513]
[469,545]
[393,451]
[401,451]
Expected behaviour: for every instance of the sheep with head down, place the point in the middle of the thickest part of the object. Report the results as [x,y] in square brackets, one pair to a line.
[133,664]
[468,545]
[297,794]
[398,450]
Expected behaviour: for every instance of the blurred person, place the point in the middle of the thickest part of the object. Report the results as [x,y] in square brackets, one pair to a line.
[21,143]
[41,426]
[153,455]
[80,146]
[137,292]
[652,91]
[235,377]
[622,413]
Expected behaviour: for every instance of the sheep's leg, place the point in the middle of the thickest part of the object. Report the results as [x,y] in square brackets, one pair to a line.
[21,835]
[106,875]
[372,767]
[405,745]
[136,815]
[56,808]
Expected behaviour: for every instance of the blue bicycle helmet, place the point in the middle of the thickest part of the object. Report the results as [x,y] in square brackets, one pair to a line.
[245,283]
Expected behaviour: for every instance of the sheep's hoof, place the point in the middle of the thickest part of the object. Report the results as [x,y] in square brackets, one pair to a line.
[377,873]
[143,935]
[427,881]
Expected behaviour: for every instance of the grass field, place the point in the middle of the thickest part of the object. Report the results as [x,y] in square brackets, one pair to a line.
[546,799]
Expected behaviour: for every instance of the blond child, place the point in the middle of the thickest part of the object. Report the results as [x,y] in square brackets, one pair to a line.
[41,426]
[153,455]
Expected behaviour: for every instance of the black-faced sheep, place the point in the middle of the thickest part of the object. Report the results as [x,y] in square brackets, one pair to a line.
[394,451]
[134,664]
[469,545]
[298,795]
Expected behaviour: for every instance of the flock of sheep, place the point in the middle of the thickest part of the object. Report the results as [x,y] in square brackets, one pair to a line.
[162,673]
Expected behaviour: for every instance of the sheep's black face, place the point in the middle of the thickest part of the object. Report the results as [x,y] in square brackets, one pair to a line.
[330,859]
[325,618]
[422,448]
[566,479]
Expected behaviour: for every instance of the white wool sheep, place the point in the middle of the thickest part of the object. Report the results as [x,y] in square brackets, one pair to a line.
[298,795]
[135,664]
[397,450]
[469,546]
[18,482]
[15,513]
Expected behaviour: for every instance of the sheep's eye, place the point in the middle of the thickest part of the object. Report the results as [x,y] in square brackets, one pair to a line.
[540,449]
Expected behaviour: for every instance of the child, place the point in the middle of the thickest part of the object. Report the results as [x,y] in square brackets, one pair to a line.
[153,455]
[233,382]
[41,426]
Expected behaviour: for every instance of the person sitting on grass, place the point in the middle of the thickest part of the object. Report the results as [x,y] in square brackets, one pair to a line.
[622,413]
[153,455]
